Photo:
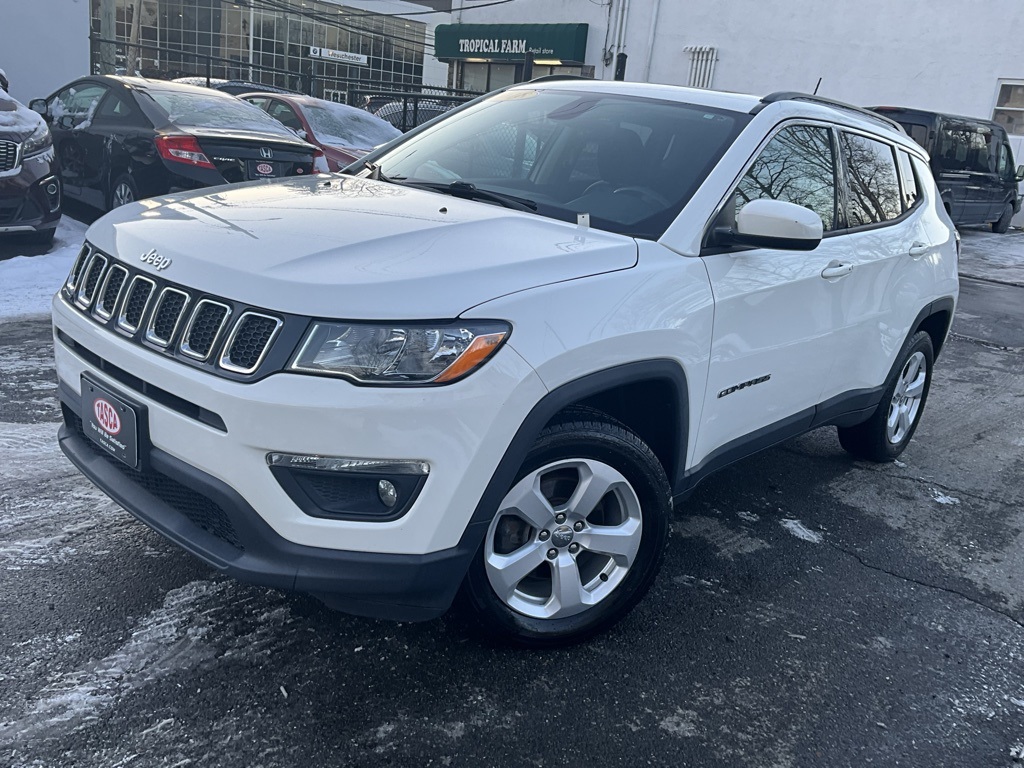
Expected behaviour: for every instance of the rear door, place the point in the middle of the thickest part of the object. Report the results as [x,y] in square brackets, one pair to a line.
[773,343]
[883,240]
[108,145]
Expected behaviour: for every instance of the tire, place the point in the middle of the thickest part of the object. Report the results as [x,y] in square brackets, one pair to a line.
[41,236]
[122,192]
[888,432]
[1003,224]
[588,482]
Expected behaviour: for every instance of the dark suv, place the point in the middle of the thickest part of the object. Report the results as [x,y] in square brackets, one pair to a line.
[30,188]
[972,163]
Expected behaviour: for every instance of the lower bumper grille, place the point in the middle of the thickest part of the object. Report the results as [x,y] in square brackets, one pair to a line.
[200,510]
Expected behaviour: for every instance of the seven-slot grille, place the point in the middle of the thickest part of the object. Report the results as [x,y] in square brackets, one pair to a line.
[8,156]
[215,333]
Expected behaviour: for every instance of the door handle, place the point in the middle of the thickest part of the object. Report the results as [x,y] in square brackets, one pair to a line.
[917,250]
[836,269]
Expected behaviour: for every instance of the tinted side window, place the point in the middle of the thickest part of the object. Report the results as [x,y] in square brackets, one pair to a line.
[114,109]
[1005,165]
[77,101]
[917,132]
[910,191]
[797,166]
[873,188]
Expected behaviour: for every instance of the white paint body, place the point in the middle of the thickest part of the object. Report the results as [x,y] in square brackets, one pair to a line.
[579,301]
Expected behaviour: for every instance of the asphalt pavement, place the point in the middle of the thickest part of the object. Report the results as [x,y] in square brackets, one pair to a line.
[812,610]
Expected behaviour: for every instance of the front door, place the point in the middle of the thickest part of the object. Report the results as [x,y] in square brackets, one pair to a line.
[773,343]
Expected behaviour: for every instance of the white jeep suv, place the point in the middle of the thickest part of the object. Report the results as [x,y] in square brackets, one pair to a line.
[496,355]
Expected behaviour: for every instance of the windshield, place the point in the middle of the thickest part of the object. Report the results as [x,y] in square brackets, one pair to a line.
[630,163]
[215,110]
[347,126]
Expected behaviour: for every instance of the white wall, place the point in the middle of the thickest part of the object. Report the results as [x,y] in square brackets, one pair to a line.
[43,44]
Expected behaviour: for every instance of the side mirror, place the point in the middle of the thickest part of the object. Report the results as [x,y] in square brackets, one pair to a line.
[1020,173]
[775,224]
[39,105]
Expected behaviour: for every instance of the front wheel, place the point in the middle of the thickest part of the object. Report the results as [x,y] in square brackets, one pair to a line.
[577,540]
[1003,223]
[887,433]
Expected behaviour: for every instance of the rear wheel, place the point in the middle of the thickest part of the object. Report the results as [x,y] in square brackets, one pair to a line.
[122,192]
[577,540]
[887,433]
[1003,223]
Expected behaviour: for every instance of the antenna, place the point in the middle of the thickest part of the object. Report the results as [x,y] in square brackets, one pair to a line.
[817,87]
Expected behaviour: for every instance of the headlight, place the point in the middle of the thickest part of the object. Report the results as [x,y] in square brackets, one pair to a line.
[39,141]
[406,354]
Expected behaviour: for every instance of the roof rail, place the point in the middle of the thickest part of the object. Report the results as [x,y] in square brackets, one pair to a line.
[771,98]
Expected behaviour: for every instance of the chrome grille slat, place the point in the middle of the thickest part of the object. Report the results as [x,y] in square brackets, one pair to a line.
[166,317]
[110,292]
[204,329]
[249,342]
[76,270]
[136,301]
[93,272]
[218,335]
[9,156]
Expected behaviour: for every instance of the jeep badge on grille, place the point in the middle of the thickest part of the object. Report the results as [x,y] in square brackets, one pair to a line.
[154,258]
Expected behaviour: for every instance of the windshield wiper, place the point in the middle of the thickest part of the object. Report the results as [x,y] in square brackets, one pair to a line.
[469,191]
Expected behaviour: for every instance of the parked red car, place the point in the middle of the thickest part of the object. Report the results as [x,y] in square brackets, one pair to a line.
[343,133]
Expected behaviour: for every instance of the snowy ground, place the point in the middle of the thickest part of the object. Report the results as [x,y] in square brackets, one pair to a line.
[28,282]
[988,256]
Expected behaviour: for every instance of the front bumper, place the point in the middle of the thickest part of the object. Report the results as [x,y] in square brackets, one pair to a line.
[24,204]
[209,519]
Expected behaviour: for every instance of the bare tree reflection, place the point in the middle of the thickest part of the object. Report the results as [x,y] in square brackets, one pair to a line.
[798,167]
[874,186]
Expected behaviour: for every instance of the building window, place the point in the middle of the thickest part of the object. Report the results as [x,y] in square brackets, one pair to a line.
[702,65]
[1009,111]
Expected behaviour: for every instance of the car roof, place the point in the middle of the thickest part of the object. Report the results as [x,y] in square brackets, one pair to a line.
[146,84]
[887,110]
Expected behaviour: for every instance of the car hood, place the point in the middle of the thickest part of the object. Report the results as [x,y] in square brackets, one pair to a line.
[337,246]
[17,122]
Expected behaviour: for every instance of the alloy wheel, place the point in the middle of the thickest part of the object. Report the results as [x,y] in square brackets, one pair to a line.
[564,538]
[123,194]
[906,399]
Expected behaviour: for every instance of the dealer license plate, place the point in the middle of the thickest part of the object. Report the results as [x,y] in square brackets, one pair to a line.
[110,422]
[262,169]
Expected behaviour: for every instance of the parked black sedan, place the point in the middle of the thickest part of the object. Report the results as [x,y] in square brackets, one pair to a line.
[124,138]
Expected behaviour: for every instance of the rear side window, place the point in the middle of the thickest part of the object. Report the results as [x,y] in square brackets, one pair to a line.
[796,166]
[918,133]
[873,187]
[910,190]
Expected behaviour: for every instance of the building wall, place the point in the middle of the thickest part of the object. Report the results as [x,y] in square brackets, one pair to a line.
[43,44]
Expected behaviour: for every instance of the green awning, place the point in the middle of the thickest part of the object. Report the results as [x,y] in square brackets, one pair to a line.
[511,42]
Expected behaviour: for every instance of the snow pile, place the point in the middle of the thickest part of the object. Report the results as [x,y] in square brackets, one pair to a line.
[801,531]
[27,283]
[14,116]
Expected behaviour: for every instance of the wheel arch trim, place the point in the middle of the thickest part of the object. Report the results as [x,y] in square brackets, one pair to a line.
[575,391]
